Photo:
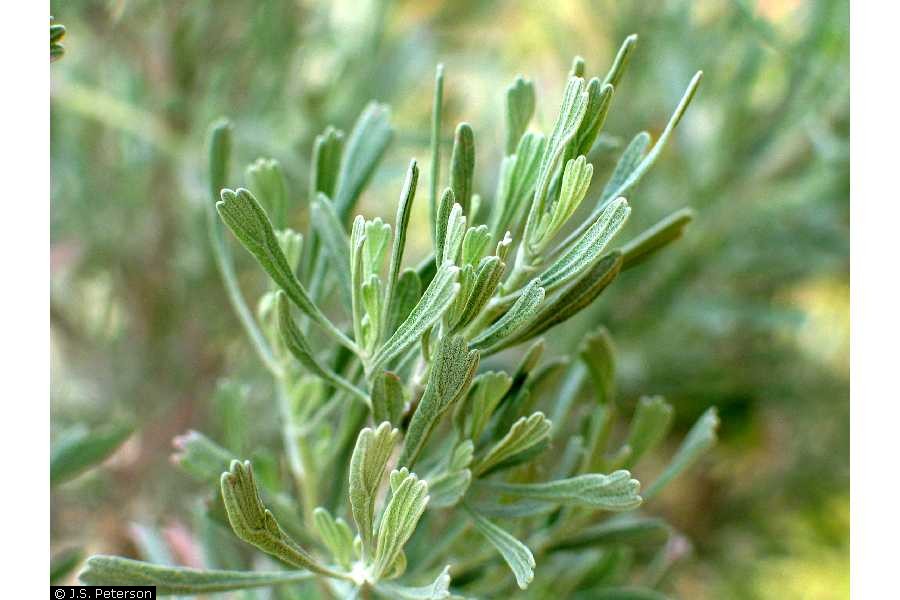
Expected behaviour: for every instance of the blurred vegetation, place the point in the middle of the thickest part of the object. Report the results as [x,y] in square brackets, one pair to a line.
[749,312]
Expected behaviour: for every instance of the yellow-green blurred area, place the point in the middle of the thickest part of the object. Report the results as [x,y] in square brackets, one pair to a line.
[748,312]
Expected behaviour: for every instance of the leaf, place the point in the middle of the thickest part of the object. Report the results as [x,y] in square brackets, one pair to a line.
[442,220]
[249,223]
[515,553]
[406,296]
[388,398]
[577,68]
[490,271]
[519,110]
[328,227]
[655,238]
[620,63]
[431,306]
[410,496]
[453,238]
[519,314]
[616,491]
[462,166]
[401,224]
[113,570]
[437,590]
[253,523]
[299,347]
[599,356]
[567,302]
[474,245]
[571,113]
[487,391]
[451,374]
[649,426]
[437,105]
[515,186]
[291,244]
[377,234]
[326,162]
[627,163]
[627,529]
[599,101]
[586,251]
[78,450]
[525,434]
[63,563]
[200,456]
[449,485]
[365,148]
[336,535]
[576,179]
[367,464]
[266,176]
[699,439]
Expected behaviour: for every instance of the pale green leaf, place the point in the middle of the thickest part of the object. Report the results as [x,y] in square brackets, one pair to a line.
[364,149]
[451,374]
[462,167]
[406,296]
[584,253]
[367,464]
[439,589]
[649,426]
[524,435]
[515,186]
[655,238]
[388,398]
[326,162]
[599,102]
[253,523]
[401,224]
[328,227]
[401,515]
[249,223]
[620,63]
[616,491]
[627,163]
[598,353]
[431,306]
[622,529]
[436,109]
[79,449]
[449,483]
[486,280]
[515,553]
[336,535]
[266,177]
[299,347]
[114,570]
[519,110]
[487,391]
[699,439]
[518,316]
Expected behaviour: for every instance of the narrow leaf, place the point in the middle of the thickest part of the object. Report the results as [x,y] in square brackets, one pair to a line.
[367,465]
[266,176]
[406,296]
[587,250]
[525,434]
[326,162]
[515,553]
[79,449]
[633,531]
[655,238]
[518,316]
[401,224]
[649,426]
[449,484]
[451,374]
[487,279]
[328,227]
[487,391]
[620,63]
[253,523]
[299,347]
[519,110]
[462,166]
[436,111]
[249,223]
[628,162]
[336,535]
[616,491]
[410,496]
[699,439]
[430,308]
[114,570]
[599,356]
[388,398]
[364,149]
[437,590]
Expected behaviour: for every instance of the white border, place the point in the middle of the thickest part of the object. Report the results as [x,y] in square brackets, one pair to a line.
[875,300]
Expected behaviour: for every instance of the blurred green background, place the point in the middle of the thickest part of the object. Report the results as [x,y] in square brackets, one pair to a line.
[749,312]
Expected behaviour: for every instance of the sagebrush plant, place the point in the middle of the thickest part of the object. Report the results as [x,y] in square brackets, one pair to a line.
[388,421]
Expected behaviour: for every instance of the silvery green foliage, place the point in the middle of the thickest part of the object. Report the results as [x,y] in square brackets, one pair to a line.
[405,454]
